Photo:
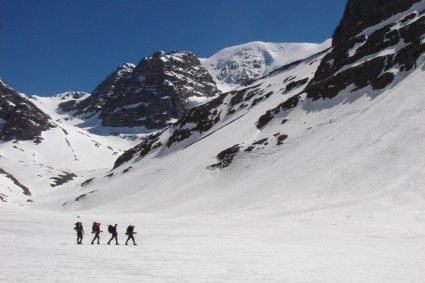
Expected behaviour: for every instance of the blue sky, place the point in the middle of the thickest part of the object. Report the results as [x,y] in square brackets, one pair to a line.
[51,46]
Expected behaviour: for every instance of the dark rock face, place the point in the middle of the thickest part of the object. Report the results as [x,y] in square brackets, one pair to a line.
[225,158]
[150,94]
[202,119]
[355,57]
[360,14]
[288,104]
[20,119]
[62,179]
[149,143]
[71,100]
[158,91]
[115,82]
[25,190]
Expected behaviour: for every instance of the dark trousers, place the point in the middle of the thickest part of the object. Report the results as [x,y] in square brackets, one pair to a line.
[130,236]
[79,237]
[96,237]
[114,236]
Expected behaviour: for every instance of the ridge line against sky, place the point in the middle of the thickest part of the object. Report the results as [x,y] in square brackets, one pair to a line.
[51,46]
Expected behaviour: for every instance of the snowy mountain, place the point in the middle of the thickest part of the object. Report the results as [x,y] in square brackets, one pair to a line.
[77,126]
[151,95]
[64,152]
[313,172]
[297,121]
[19,118]
[265,120]
[238,65]
[104,91]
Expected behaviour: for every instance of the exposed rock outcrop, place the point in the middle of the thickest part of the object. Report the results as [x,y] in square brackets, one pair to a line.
[364,33]
[20,119]
[159,90]
[115,82]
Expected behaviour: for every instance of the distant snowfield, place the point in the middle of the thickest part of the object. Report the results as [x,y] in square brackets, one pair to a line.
[333,244]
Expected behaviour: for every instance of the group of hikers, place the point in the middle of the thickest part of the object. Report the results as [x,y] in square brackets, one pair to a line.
[96,231]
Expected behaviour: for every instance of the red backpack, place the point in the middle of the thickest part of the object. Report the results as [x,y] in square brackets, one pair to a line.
[95,227]
[130,230]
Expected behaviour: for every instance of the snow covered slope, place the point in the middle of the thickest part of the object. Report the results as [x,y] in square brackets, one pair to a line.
[237,65]
[272,145]
[64,154]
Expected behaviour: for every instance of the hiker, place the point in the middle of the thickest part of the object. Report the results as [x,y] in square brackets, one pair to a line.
[96,230]
[113,231]
[80,232]
[130,233]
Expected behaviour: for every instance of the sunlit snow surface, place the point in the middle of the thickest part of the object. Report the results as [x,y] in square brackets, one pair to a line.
[255,59]
[341,200]
[351,243]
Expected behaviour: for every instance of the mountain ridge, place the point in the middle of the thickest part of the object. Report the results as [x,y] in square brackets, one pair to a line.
[150,94]
[296,97]
[260,121]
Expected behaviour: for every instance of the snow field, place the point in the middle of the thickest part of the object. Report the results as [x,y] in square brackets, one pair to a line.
[315,246]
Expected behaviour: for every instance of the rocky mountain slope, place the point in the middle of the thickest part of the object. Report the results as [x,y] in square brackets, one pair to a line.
[54,149]
[350,113]
[153,94]
[367,63]
[163,87]
[20,119]
[387,43]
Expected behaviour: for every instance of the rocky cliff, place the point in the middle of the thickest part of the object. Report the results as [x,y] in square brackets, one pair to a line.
[20,119]
[115,82]
[373,43]
[159,90]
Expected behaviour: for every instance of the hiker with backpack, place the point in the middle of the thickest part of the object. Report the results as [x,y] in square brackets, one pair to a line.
[113,231]
[80,231]
[130,232]
[96,230]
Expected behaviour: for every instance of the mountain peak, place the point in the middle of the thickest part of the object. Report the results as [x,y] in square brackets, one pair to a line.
[360,14]
[151,94]
[20,119]
[125,68]
[237,65]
